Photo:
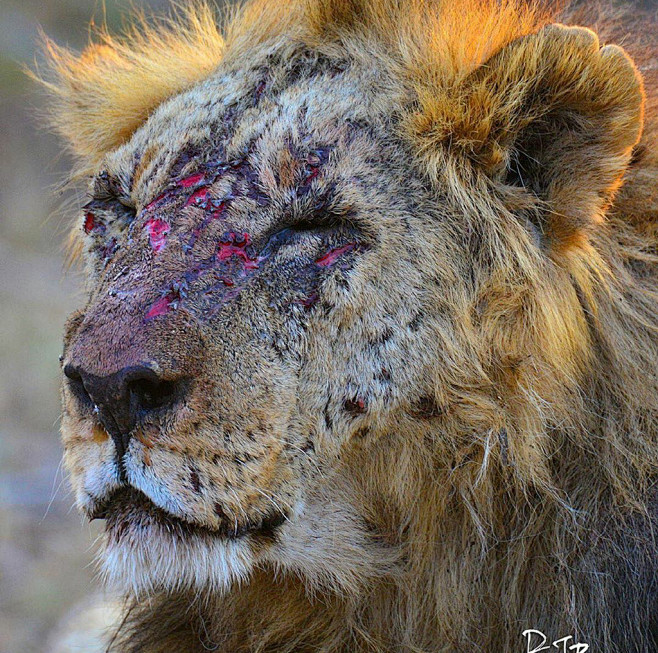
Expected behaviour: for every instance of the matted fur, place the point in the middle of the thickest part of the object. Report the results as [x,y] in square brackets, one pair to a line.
[506,481]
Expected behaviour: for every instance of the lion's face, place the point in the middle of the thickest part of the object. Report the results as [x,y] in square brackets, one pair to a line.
[260,262]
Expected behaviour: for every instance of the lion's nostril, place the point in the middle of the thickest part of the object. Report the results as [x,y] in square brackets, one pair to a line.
[152,394]
[125,397]
[76,385]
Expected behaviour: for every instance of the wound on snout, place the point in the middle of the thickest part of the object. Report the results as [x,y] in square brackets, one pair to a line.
[109,250]
[260,89]
[312,168]
[153,203]
[165,304]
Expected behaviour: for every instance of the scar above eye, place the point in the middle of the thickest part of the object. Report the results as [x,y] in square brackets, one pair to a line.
[191,180]
[330,257]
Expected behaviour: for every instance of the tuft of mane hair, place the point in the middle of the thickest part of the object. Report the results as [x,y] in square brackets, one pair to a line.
[101,96]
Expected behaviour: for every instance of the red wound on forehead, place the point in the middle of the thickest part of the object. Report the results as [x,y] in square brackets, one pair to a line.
[312,174]
[235,244]
[218,208]
[192,180]
[334,254]
[310,300]
[199,197]
[157,200]
[157,230]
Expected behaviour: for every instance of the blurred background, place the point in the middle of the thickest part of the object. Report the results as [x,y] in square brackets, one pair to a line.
[46,549]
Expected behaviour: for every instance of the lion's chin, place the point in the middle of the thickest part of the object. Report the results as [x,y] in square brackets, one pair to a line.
[147,550]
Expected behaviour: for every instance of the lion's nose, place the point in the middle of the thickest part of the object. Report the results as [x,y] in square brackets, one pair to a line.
[125,397]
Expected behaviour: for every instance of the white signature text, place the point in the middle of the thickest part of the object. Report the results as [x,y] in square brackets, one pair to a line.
[536,642]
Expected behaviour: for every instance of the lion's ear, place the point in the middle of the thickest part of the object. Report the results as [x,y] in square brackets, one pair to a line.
[556,115]
[100,97]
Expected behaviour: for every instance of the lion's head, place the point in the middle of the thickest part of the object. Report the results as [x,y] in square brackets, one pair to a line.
[345,324]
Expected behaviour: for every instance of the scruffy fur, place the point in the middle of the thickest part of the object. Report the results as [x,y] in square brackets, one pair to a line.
[438,360]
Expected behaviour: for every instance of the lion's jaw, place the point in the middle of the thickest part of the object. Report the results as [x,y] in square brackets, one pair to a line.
[152,544]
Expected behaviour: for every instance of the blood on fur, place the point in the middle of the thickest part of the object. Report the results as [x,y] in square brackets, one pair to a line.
[355,406]
[199,197]
[157,230]
[330,257]
[191,180]
[235,244]
[163,305]
[92,223]
[220,277]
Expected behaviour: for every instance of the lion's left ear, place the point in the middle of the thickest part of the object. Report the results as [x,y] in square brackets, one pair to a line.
[557,115]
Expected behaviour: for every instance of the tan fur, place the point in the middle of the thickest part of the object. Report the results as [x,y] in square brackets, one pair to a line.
[462,427]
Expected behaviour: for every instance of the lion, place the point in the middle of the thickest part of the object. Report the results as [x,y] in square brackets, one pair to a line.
[368,358]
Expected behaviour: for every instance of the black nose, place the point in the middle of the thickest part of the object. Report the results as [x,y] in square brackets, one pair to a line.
[124,398]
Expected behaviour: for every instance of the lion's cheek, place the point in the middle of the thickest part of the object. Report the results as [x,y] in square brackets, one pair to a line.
[214,487]
[88,459]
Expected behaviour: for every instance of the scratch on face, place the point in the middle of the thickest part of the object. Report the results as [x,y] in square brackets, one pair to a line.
[236,244]
[330,257]
[93,224]
[157,230]
[191,180]
[220,277]
[163,305]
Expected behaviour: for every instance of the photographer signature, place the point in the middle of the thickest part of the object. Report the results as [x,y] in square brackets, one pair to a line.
[536,642]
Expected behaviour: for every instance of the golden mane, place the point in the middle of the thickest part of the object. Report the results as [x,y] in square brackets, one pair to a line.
[101,96]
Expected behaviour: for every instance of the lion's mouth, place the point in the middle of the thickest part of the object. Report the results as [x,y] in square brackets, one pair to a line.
[127,509]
